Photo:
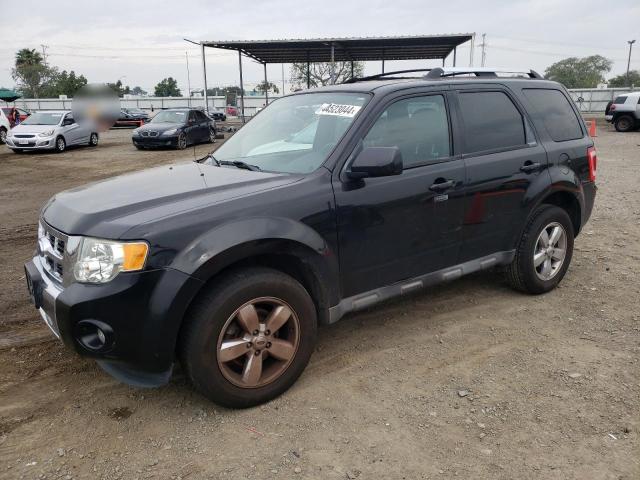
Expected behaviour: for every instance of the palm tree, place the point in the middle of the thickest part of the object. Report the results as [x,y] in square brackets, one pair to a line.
[30,72]
[28,56]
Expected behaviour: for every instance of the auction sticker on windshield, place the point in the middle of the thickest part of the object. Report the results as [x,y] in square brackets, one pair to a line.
[338,110]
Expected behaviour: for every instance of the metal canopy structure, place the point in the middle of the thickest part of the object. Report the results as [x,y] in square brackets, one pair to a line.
[417,47]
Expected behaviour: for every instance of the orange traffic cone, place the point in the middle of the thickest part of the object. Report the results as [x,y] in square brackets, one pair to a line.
[592,127]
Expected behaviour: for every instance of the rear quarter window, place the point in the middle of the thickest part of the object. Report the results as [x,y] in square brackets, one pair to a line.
[555,111]
[620,100]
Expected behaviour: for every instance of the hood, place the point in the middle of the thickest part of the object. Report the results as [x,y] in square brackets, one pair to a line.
[160,126]
[22,129]
[109,208]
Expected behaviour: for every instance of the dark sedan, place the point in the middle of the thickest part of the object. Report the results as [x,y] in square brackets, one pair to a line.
[175,128]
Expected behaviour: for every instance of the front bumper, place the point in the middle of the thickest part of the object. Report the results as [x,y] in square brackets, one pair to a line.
[608,118]
[139,314]
[36,143]
[159,141]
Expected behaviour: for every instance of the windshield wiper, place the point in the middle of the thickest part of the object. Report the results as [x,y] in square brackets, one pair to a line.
[239,164]
[207,157]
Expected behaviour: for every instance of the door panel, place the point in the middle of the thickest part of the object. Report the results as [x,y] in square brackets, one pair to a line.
[399,227]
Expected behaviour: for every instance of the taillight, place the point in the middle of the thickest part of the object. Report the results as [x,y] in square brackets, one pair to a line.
[592,157]
[612,107]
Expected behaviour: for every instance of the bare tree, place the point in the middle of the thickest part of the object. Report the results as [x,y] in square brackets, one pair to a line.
[320,73]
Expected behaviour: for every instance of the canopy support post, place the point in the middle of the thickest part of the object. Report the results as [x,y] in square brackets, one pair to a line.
[333,64]
[308,72]
[383,60]
[352,69]
[454,55]
[241,85]
[204,74]
[266,86]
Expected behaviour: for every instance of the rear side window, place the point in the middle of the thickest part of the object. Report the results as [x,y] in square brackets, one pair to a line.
[556,113]
[621,99]
[491,121]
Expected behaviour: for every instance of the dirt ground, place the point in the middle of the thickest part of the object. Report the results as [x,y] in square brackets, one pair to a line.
[466,380]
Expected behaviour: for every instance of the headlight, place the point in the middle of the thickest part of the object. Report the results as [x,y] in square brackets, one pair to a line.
[170,132]
[100,261]
[48,133]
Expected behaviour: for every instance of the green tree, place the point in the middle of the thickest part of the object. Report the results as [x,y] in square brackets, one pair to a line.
[268,86]
[168,87]
[138,91]
[320,73]
[573,72]
[64,84]
[119,88]
[31,73]
[622,81]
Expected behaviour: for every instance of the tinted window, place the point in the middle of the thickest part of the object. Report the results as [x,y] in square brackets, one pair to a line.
[418,126]
[555,111]
[620,99]
[491,121]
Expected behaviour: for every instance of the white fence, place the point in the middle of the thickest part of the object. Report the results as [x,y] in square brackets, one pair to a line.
[252,103]
[589,100]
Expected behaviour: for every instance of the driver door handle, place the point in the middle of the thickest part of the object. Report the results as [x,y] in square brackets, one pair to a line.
[529,167]
[442,186]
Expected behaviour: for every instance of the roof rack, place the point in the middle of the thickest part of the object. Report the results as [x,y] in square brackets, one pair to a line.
[437,73]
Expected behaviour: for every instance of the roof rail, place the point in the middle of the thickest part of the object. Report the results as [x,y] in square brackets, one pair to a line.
[386,74]
[477,71]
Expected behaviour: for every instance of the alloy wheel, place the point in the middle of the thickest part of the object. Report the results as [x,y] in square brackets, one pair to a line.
[258,342]
[3,135]
[60,144]
[550,251]
[182,141]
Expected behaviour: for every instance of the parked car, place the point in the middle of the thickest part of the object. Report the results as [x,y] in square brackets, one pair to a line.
[230,263]
[23,113]
[231,110]
[624,112]
[218,115]
[5,126]
[130,119]
[136,113]
[51,130]
[176,127]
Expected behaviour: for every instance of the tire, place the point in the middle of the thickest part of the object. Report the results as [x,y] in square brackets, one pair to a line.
[624,123]
[523,274]
[93,140]
[3,135]
[182,141]
[61,144]
[212,136]
[215,312]
[139,147]
[16,150]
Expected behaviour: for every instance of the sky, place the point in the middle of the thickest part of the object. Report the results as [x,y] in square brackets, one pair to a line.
[141,43]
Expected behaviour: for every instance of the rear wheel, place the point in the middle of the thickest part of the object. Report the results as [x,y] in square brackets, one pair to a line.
[61,145]
[624,123]
[249,337]
[544,252]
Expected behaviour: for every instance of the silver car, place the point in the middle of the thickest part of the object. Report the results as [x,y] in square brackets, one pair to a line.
[51,130]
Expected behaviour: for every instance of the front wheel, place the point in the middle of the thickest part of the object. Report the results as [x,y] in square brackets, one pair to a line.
[3,135]
[182,141]
[212,135]
[93,140]
[544,252]
[248,338]
[61,145]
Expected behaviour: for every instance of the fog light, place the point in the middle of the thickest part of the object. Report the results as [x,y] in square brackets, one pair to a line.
[94,335]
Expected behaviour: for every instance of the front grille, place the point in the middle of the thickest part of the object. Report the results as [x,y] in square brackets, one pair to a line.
[24,136]
[52,251]
[149,133]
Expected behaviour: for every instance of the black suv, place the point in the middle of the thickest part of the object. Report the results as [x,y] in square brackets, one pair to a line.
[329,201]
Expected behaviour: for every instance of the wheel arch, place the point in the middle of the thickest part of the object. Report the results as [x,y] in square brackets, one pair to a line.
[569,202]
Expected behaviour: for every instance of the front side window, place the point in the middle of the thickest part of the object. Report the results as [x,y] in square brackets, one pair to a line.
[556,113]
[296,134]
[491,122]
[418,126]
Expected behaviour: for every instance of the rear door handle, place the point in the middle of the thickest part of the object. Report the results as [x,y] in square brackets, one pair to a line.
[442,186]
[530,167]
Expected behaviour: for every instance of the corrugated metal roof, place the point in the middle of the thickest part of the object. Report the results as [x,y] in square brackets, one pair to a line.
[345,49]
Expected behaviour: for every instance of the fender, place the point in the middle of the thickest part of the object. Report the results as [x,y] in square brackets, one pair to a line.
[231,242]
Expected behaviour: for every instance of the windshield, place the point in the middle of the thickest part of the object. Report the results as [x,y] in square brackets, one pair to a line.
[134,110]
[170,116]
[44,118]
[294,134]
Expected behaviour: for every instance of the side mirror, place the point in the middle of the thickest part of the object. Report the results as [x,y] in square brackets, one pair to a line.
[376,162]
[68,121]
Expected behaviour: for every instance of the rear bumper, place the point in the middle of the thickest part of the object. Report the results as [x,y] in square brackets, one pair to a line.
[139,315]
[589,190]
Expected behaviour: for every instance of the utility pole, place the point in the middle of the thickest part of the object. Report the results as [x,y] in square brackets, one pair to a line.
[44,53]
[186,54]
[282,65]
[630,42]
[484,52]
